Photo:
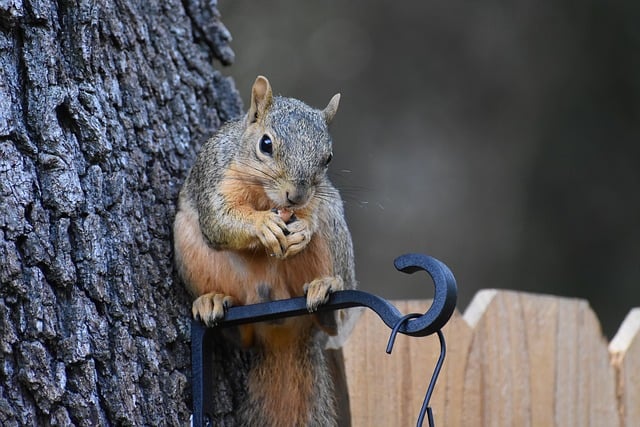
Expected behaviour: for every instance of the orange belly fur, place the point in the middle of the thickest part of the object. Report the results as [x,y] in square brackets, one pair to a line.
[239,273]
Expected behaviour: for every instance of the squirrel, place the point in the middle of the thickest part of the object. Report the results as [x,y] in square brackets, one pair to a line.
[259,220]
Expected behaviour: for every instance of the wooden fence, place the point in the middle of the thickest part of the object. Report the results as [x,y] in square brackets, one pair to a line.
[513,359]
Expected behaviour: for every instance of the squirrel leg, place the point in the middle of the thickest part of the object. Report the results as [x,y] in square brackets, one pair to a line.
[318,290]
[211,307]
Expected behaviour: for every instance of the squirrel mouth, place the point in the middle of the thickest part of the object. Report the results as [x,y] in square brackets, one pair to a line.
[287,214]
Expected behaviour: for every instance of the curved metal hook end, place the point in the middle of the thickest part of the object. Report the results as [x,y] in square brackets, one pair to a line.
[444,299]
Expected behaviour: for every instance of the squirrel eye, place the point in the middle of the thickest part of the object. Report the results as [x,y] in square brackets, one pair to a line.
[266,146]
[329,158]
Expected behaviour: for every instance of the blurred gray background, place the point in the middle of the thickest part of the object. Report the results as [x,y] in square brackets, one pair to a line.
[501,137]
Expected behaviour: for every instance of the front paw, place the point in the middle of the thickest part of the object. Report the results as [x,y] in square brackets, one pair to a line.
[318,290]
[210,308]
[272,232]
[298,238]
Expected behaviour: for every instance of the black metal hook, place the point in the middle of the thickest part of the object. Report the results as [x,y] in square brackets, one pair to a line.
[425,409]
[432,383]
[442,307]
[414,324]
[396,328]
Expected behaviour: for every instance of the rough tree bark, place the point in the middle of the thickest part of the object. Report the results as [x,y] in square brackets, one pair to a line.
[102,107]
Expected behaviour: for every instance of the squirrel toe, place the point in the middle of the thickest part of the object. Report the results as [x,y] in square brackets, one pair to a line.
[210,308]
[271,233]
[318,291]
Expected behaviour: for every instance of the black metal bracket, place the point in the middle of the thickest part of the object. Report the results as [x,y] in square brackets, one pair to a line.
[416,325]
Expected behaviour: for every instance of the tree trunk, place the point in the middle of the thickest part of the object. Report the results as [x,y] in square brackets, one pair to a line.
[102,107]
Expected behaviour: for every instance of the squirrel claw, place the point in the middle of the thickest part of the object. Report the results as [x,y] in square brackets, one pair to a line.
[271,233]
[318,291]
[210,308]
[298,238]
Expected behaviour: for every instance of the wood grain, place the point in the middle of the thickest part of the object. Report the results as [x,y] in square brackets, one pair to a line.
[513,359]
[625,356]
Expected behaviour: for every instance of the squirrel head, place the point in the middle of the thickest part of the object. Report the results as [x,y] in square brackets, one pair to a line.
[288,146]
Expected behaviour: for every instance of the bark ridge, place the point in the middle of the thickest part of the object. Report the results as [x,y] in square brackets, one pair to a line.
[103,105]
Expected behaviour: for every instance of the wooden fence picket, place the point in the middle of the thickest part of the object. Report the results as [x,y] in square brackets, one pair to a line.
[625,357]
[513,359]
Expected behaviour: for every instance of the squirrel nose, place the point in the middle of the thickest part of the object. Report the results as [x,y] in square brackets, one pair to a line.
[298,193]
[295,197]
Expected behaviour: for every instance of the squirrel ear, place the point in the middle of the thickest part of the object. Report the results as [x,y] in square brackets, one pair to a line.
[331,108]
[261,97]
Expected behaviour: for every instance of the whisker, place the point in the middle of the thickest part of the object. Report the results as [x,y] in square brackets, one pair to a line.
[242,175]
[256,178]
[270,172]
